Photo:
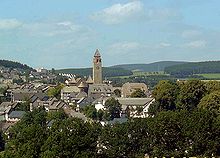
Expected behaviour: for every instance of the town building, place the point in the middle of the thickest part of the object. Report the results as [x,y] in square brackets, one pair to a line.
[128,88]
[97,68]
[136,107]
[77,89]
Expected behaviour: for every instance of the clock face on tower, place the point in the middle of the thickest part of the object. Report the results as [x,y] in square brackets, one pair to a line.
[97,67]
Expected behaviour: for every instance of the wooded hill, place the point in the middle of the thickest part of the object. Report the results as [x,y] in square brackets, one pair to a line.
[152,67]
[15,65]
[107,71]
[188,69]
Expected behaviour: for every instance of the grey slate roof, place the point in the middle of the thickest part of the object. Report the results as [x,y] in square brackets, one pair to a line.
[85,101]
[100,88]
[17,114]
[69,89]
[21,96]
[6,106]
[134,101]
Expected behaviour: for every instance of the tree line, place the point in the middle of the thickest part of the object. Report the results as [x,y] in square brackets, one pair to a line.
[192,68]
[107,72]
[168,134]
[15,65]
[150,80]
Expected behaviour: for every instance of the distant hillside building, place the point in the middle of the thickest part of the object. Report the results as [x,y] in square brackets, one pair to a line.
[128,88]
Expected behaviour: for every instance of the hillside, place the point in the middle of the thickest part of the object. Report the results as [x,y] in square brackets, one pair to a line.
[107,71]
[187,69]
[15,65]
[152,67]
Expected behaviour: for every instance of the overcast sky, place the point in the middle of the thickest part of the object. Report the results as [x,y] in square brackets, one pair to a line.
[66,33]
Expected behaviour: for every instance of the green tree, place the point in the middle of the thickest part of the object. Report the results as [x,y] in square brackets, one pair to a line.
[55,91]
[25,105]
[212,86]
[117,92]
[139,109]
[138,94]
[191,92]
[71,138]
[211,102]
[201,133]
[165,94]
[107,116]
[54,115]
[100,114]
[91,112]
[154,108]
[18,81]
[114,141]
[166,136]
[3,90]
[27,136]
[2,142]
[215,136]
[114,107]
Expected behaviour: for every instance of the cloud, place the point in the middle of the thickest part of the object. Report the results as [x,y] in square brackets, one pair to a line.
[65,23]
[8,24]
[196,44]
[50,29]
[124,48]
[118,13]
[164,44]
[133,11]
[191,33]
[48,43]
[133,47]
[162,14]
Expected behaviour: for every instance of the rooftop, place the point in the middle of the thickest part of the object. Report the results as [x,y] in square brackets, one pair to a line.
[97,54]
[17,114]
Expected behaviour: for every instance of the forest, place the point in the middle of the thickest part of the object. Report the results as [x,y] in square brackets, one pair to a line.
[183,121]
[107,72]
[193,68]
[151,67]
[150,80]
[15,65]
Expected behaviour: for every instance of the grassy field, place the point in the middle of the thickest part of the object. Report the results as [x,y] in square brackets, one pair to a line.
[211,76]
[141,73]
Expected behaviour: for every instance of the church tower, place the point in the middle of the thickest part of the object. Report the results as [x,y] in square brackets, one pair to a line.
[97,68]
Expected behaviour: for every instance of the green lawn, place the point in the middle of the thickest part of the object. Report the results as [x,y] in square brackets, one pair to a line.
[211,76]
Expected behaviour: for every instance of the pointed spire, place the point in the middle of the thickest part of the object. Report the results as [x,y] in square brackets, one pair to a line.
[73,80]
[97,54]
[82,85]
[89,80]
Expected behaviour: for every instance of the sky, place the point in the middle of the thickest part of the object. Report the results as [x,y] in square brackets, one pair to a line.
[66,33]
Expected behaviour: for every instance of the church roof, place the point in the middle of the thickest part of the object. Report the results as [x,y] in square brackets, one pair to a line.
[69,89]
[97,54]
[81,95]
[72,80]
[89,80]
[82,85]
